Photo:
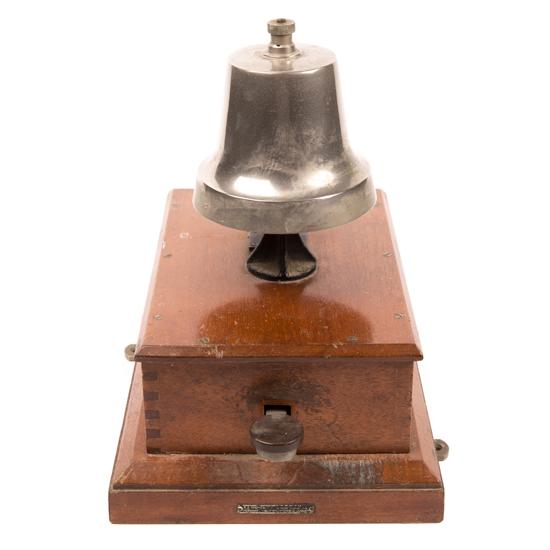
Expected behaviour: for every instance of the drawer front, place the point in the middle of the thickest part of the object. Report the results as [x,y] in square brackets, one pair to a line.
[344,408]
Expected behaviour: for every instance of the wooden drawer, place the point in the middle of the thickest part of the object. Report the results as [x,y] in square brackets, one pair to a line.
[345,408]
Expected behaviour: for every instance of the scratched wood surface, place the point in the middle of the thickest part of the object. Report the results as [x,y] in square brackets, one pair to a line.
[203,303]
[208,407]
[352,488]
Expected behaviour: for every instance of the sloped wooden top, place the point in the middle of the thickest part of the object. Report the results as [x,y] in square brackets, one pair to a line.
[203,303]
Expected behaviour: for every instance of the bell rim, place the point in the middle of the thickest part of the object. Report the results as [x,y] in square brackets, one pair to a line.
[360,170]
[285,217]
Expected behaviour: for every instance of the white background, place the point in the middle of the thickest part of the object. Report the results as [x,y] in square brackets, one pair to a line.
[107,105]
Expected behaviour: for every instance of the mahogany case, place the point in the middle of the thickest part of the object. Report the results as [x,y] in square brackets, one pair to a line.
[217,345]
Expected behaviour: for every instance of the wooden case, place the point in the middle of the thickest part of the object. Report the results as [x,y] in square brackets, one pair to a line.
[217,345]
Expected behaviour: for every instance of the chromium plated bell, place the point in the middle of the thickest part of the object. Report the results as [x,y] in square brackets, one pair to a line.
[283,164]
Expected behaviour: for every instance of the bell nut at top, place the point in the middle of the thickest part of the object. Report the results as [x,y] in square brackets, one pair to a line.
[281,26]
[283,164]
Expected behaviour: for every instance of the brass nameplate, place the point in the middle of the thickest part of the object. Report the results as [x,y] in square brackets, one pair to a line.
[275,508]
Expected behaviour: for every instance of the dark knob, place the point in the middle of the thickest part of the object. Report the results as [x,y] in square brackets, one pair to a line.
[276,436]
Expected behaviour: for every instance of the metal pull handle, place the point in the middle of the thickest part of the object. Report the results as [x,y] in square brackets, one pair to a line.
[276,436]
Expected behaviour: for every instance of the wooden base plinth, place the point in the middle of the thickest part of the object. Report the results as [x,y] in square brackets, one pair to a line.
[242,488]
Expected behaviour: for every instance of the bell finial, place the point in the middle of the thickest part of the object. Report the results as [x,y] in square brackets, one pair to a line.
[281,36]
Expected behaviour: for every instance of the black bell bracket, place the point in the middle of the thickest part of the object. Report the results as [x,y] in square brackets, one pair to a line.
[281,258]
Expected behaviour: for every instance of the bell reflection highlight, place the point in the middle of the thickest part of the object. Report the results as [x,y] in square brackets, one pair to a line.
[283,164]
[321,178]
[253,187]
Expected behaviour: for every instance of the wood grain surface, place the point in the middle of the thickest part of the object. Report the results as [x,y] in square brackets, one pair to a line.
[203,303]
[217,345]
[194,488]
[208,407]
